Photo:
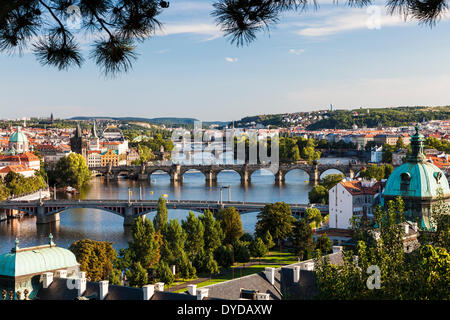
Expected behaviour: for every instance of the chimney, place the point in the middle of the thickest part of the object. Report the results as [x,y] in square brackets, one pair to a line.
[337,249]
[296,274]
[81,286]
[149,290]
[406,228]
[309,266]
[61,274]
[202,293]
[262,296]
[192,289]
[270,275]
[104,285]
[159,286]
[47,279]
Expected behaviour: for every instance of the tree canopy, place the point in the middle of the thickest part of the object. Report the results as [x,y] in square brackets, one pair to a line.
[96,258]
[50,27]
[275,218]
[72,171]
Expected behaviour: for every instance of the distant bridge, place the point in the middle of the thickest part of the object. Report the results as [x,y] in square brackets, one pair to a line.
[48,211]
[176,171]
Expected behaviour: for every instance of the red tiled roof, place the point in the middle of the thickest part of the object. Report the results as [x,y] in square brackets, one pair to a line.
[355,187]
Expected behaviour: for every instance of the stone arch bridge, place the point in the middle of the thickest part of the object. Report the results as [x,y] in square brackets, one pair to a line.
[47,211]
[176,171]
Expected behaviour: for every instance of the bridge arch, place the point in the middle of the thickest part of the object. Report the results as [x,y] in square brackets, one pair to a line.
[328,171]
[299,173]
[261,173]
[232,173]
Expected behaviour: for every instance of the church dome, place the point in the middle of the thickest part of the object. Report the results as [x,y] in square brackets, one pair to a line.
[18,137]
[420,183]
[421,180]
[417,178]
[35,260]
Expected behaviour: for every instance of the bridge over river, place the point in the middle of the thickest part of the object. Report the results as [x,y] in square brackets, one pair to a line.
[176,171]
[48,211]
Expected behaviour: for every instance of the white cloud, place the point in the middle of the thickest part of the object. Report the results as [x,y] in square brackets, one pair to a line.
[296,51]
[232,60]
[343,20]
[210,30]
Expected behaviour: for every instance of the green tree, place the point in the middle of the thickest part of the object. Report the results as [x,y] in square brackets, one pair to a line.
[275,218]
[268,241]
[302,239]
[115,277]
[224,256]
[373,172]
[400,144]
[387,153]
[144,246]
[323,243]
[72,171]
[257,248]
[295,153]
[173,244]
[194,231]
[164,274]
[314,216]
[318,194]
[213,234]
[230,222]
[137,275]
[241,251]
[161,217]
[331,180]
[204,262]
[4,191]
[96,258]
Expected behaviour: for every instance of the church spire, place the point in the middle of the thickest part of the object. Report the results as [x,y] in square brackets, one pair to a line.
[417,145]
[94,131]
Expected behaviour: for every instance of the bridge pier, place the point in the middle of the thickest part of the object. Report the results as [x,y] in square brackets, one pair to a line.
[279,177]
[314,176]
[143,177]
[42,218]
[175,174]
[210,177]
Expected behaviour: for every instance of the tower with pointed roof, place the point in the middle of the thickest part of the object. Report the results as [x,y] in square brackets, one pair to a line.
[420,183]
[78,143]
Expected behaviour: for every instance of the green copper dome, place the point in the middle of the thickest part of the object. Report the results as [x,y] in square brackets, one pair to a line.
[35,260]
[421,180]
[18,136]
[418,177]
[420,184]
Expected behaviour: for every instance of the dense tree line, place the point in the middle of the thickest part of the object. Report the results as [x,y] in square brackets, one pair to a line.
[387,117]
[15,184]
[71,170]
[421,274]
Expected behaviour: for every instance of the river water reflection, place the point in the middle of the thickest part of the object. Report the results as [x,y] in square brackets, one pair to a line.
[78,224]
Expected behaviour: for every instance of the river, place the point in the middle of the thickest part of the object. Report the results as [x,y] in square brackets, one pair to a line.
[93,224]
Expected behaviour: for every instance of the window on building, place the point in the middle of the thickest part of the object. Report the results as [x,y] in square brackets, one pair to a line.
[405,179]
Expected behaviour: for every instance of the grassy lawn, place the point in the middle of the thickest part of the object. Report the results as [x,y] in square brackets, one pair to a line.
[272,259]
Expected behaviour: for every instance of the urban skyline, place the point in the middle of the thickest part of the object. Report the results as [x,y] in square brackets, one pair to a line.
[311,60]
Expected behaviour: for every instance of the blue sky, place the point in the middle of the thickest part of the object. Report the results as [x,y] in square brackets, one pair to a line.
[307,62]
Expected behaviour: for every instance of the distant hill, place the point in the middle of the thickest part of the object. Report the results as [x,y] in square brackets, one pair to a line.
[160,121]
[385,117]
[345,119]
